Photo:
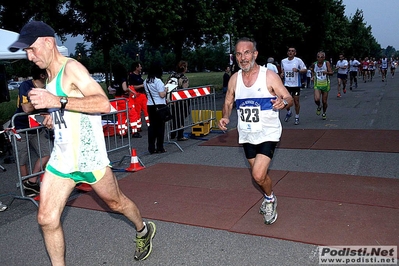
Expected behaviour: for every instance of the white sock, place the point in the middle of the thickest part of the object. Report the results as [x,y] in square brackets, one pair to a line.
[269,198]
[143,232]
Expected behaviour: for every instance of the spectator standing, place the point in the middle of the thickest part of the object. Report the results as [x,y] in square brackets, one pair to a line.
[136,80]
[37,144]
[180,109]
[156,92]
[226,77]
[122,91]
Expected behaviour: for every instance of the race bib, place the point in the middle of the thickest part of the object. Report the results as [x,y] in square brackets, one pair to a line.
[289,75]
[61,133]
[249,119]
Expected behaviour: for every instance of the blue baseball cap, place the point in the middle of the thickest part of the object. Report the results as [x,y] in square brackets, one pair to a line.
[29,34]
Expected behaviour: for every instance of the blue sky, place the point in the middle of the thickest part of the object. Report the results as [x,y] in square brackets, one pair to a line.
[382,16]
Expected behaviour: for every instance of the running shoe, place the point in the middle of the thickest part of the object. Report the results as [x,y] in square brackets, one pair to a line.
[32,187]
[296,121]
[3,207]
[144,244]
[269,211]
[350,87]
[287,117]
[339,95]
[356,85]
[344,90]
[324,116]
[30,193]
[318,110]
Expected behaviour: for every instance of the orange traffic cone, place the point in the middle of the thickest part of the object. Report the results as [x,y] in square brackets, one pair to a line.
[134,163]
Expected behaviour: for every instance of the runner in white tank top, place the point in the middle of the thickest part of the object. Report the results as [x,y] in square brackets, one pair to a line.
[291,69]
[258,94]
[76,102]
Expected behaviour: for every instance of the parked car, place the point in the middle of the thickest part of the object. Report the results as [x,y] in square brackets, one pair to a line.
[14,85]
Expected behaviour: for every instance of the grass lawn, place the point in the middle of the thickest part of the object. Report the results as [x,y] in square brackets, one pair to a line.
[215,79]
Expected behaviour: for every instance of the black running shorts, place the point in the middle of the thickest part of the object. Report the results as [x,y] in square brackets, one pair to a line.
[266,148]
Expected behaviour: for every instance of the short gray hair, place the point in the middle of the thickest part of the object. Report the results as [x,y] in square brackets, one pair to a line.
[270,60]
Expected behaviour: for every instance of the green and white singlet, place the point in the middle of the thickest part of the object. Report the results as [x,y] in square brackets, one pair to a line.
[79,144]
[321,80]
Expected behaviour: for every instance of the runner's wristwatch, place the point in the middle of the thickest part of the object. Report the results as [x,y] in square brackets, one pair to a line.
[63,101]
[285,102]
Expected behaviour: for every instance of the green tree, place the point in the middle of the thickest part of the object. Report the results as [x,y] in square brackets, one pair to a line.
[181,24]
[362,43]
[167,31]
[273,24]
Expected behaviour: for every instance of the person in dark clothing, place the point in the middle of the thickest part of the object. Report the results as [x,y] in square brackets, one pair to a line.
[122,91]
[137,81]
[180,110]
[226,78]
[156,91]
[31,186]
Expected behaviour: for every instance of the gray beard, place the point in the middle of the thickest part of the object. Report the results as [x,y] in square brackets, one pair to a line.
[251,65]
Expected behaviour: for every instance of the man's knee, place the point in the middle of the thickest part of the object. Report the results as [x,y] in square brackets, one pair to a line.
[117,204]
[48,219]
[259,178]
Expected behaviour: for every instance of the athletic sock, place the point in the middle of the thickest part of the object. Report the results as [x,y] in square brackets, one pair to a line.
[143,231]
[269,198]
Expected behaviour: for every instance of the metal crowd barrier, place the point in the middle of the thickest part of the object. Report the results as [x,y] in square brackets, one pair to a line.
[113,140]
[114,143]
[192,108]
[24,135]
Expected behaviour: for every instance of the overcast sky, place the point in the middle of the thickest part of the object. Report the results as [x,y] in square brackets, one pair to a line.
[71,43]
[382,16]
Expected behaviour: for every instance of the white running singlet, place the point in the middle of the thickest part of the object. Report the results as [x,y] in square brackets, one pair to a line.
[257,120]
[291,78]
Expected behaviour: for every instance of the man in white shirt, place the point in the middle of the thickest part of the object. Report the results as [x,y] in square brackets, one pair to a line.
[353,69]
[342,67]
[291,69]
[271,66]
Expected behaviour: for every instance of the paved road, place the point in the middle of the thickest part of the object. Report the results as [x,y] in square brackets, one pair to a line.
[99,238]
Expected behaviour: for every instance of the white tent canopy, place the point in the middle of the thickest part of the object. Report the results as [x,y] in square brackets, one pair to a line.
[8,37]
